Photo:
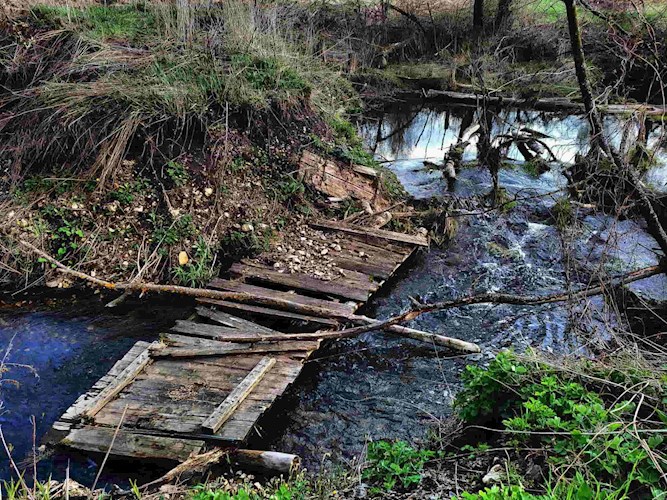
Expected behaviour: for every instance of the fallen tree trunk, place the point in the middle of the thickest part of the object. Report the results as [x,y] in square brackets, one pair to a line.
[543,104]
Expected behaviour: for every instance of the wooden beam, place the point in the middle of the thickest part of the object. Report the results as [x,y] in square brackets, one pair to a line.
[237,349]
[372,234]
[230,321]
[288,301]
[271,313]
[222,413]
[118,383]
[303,282]
[131,444]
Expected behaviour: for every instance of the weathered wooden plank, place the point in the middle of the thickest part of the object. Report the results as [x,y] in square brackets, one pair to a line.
[214,331]
[305,283]
[358,264]
[73,413]
[236,349]
[130,444]
[297,303]
[371,234]
[237,396]
[270,313]
[230,321]
[121,381]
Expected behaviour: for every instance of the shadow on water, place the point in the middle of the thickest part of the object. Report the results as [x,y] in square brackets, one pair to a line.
[55,356]
[380,386]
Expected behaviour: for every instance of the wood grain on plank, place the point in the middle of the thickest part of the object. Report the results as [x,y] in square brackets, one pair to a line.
[226,319]
[237,396]
[339,287]
[130,444]
[268,312]
[296,303]
[371,234]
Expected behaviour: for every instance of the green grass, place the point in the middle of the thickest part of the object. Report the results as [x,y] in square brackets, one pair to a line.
[124,22]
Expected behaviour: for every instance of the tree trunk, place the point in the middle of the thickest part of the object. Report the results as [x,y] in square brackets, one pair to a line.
[503,14]
[478,15]
[625,172]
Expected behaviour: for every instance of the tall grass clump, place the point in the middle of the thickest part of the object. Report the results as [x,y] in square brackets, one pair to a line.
[136,74]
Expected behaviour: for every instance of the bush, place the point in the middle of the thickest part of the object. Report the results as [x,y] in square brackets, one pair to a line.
[394,463]
[586,419]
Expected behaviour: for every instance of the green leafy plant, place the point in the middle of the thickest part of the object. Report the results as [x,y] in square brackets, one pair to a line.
[199,269]
[177,173]
[581,427]
[170,234]
[394,463]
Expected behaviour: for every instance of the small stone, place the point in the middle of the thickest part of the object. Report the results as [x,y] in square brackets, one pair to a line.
[247,228]
[422,231]
[208,192]
[362,254]
[278,265]
[125,264]
[324,252]
[183,258]
[226,215]
[495,475]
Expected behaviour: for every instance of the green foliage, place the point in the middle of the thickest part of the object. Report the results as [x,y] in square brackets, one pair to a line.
[237,244]
[269,74]
[563,213]
[199,268]
[576,423]
[394,463]
[289,190]
[177,173]
[577,488]
[101,23]
[283,491]
[124,194]
[170,234]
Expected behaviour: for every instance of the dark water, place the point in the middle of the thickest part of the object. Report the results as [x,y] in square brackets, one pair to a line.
[51,357]
[380,386]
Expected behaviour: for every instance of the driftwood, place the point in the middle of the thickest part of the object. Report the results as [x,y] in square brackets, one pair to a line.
[544,104]
[272,462]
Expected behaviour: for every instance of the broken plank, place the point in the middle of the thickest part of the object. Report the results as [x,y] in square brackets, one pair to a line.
[267,312]
[222,413]
[214,331]
[305,283]
[230,321]
[237,349]
[130,444]
[290,301]
[73,413]
[370,234]
[119,382]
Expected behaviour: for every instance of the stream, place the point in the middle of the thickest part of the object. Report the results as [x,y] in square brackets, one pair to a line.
[376,386]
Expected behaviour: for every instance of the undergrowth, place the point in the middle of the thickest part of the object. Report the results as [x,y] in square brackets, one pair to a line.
[603,421]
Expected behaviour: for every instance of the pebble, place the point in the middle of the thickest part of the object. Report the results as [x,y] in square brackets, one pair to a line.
[324,252]
[247,228]
[208,192]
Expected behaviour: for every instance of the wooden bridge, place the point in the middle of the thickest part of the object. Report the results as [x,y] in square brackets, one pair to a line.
[211,378]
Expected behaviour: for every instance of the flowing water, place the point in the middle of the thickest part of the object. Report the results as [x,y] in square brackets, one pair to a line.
[380,386]
[377,385]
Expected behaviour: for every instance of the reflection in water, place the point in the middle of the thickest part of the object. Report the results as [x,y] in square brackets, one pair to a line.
[411,133]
